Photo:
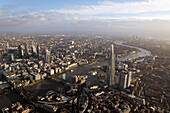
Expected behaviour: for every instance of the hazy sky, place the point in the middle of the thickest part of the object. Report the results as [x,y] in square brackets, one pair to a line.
[143,17]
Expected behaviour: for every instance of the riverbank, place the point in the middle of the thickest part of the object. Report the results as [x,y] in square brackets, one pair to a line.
[142,53]
[43,86]
[157,67]
[34,83]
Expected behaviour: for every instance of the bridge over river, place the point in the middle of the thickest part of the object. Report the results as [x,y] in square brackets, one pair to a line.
[49,84]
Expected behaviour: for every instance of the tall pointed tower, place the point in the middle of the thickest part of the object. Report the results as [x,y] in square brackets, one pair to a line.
[112,68]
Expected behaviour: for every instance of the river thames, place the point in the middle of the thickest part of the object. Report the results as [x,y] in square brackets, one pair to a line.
[48,84]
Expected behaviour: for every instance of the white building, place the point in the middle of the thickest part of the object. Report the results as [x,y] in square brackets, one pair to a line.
[128,79]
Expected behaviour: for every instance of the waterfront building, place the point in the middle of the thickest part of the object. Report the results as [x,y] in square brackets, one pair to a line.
[38,76]
[51,71]
[58,70]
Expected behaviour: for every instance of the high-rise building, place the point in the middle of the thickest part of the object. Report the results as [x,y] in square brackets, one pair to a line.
[19,51]
[38,50]
[26,51]
[123,81]
[7,45]
[47,56]
[34,49]
[128,79]
[112,70]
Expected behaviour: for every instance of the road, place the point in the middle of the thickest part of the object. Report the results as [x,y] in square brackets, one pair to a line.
[44,86]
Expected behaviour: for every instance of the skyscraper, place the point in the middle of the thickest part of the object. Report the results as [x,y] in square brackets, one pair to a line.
[129,79]
[123,81]
[19,51]
[34,49]
[7,45]
[26,50]
[47,56]
[112,70]
[38,50]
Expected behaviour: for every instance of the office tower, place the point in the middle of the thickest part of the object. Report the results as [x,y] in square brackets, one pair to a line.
[112,70]
[34,49]
[7,45]
[47,56]
[38,50]
[123,81]
[26,51]
[128,79]
[19,51]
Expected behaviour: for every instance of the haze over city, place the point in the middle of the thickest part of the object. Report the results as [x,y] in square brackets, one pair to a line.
[84,56]
[149,18]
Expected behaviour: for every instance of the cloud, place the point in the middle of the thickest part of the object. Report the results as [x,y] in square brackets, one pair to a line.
[147,17]
[11,6]
[114,8]
[104,10]
[106,3]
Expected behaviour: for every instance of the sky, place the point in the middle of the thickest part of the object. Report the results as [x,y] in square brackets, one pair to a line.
[140,17]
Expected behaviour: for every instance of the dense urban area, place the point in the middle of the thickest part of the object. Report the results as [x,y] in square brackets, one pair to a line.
[68,73]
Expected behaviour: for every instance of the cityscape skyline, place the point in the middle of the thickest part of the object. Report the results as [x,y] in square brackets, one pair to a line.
[141,17]
[50,72]
[84,56]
